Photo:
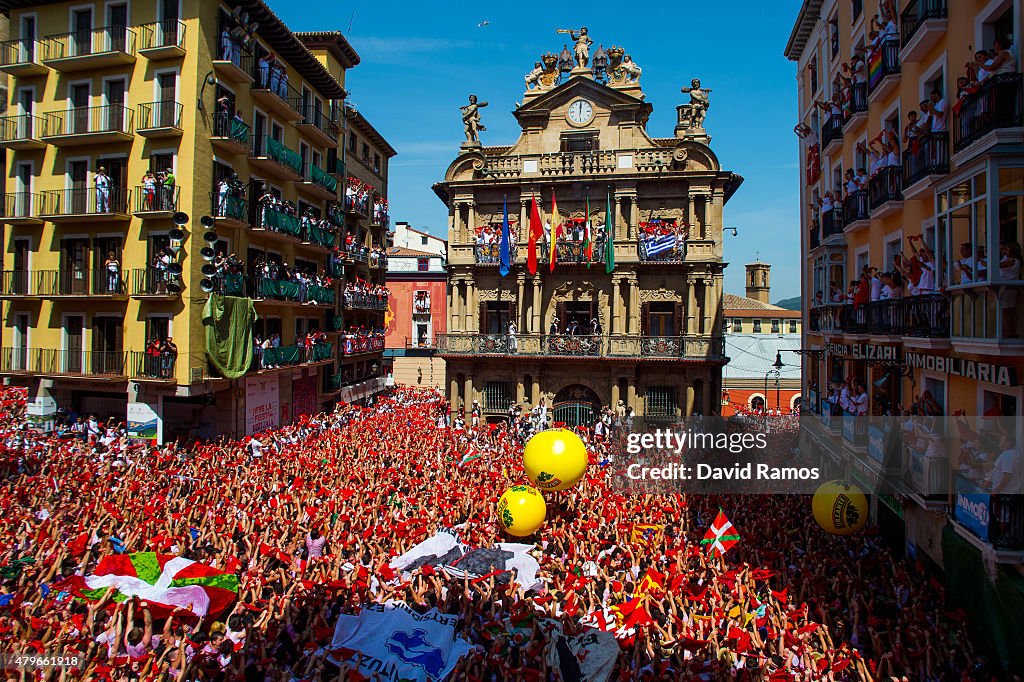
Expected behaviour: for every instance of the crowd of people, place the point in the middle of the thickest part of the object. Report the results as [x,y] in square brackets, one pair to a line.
[359,291]
[304,343]
[308,517]
[268,270]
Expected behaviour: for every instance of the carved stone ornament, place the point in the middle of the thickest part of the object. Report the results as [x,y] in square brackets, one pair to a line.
[647,295]
[496,295]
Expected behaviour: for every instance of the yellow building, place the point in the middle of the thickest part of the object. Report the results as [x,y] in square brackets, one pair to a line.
[936,195]
[647,333]
[247,118]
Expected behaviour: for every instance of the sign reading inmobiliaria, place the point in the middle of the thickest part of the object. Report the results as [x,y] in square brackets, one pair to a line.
[399,644]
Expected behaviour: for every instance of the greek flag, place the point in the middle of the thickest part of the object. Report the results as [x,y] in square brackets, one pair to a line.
[660,244]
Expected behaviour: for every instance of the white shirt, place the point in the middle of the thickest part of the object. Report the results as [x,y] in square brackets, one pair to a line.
[876,289]
[967,269]
[1006,472]
[1009,268]
[927,282]
[938,116]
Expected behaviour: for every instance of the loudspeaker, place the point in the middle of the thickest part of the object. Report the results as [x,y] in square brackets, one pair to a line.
[180,218]
[177,234]
[174,287]
[206,285]
[208,270]
[207,253]
[175,269]
[207,222]
[210,237]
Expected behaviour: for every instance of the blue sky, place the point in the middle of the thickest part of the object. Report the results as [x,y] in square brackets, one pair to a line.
[420,60]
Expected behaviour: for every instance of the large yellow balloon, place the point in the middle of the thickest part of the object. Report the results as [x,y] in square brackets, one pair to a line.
[521,510]
[555,459]
[840,508]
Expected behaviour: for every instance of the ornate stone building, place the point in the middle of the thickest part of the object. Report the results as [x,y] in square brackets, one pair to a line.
[647,331]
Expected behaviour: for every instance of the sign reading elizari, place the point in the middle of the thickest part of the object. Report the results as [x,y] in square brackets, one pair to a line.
[862,351]
[971,369]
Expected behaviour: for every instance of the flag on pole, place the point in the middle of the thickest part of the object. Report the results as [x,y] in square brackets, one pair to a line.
[556,229]
[588,244]
[506,239]
[536,232]
[721,536]
[609,236]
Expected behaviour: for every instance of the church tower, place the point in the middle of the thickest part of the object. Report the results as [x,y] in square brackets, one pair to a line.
[758,281]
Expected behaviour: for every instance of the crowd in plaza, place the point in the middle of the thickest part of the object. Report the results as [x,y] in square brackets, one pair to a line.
[308,517]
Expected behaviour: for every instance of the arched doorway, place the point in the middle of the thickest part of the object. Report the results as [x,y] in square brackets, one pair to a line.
[757,402]
[576,405]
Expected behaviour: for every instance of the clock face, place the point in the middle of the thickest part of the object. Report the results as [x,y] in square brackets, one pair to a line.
[580,112]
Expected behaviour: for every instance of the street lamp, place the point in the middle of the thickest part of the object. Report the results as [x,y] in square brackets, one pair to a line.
[776,374]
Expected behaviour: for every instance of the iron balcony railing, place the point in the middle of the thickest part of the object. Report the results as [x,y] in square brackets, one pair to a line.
[273,78]
[92,42]
[832,130]
[165,33]
[995,104]
[364,301]
[357,204]
[229,206]
[151,198]
[883,63]
[277,219]
[930,156]
[925,316]
[157,365]
[576,252]
[22,205]
[151,281]
[268,147]
[265,288]
[916,13]
[490,254]
[858,99]
[856,207]
[20,51]
[319,177]
[109,118]
[1004,526]
[228,127]
[85,201]
[21,127]
[352,344]
[707,348]
[231,50]
[58,362]
[313,116]
[164,114]
[886,186]
[832,222]
[69,281]
[312,233]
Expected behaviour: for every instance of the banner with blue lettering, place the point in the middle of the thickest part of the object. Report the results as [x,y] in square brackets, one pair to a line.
[399,644]
[973,507]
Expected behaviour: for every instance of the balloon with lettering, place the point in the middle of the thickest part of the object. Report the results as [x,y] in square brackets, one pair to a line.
[521,510]
[840,508]
[555,459]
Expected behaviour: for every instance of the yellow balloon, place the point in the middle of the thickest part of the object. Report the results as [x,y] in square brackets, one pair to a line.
[555,459]
[521,510]
[840,508]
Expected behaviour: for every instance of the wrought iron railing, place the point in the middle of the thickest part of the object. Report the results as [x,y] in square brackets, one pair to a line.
[157,365]
[149,198]
[164,114]
[273,78]
[58,362]
[357,345]
[85,201]
[109,118]
[884,62]
[150,281]
[565,345]
[916,13]
[995,104]
[856,206]
[283,156]
[364,301]
[20,51]
[65,282]
[925,316]
[858,100]
[276,218]
[832,222]
[226,126]
[886,186]
[229,206]
[165,33]
[90,42]
[21,127]
[22,205]
[319,177]
[832,130]
[930,157]
[316,117]
[490,254]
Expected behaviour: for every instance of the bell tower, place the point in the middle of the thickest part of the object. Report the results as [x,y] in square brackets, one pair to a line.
[758,281]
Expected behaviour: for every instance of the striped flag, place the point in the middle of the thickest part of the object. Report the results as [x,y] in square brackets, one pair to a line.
[470,455]
[164,581]
[588,243]
[556,229]
[655,245]
[721,536]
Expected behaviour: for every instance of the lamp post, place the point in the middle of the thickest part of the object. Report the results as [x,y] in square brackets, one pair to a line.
[600,62]
[774,373]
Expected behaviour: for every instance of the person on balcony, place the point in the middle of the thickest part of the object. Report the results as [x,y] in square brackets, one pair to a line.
[513,342]
[914,130]
[966,265]
[936,110]
[167,188]
[1007,475]
[1001,61]
[113,269]
[102,182]
[153,357]
[553,329]
[264,69]
[168,355]
[149,189]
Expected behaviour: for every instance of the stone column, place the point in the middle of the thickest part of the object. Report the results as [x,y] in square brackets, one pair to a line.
[708,289]
[613,319]
[470,306]
[521,302]
[535,390]
[691,217]
[536,306]
[713,214]
[470,222]
[453,394]
[689,400]
[633,215]
[691,307]
[631,395]
[455,322]
[615,392]
[467,397]
[634,305]
[523,230]
[618,218]
[520,391]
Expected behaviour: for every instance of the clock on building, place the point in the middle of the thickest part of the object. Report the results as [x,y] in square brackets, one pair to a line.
[581,112]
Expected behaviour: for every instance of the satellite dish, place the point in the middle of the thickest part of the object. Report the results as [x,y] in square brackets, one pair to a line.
[206,285]
[207,222]
[180,218]
[176,234]
[207,253]
[175,269]
[174,287]
[209,270]
[210,237]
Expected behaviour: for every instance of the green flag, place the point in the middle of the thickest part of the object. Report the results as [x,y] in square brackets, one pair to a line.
[609,236]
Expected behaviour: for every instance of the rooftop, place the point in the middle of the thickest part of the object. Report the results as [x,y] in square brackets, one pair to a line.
[332,41]
[751,355]
[359,121]
[742,303]
[810,10]
[401,251]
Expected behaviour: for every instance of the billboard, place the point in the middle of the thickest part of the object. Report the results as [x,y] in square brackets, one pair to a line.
[262,404]
[144,423]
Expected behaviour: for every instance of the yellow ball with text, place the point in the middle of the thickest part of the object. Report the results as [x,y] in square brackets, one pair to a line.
[555,459]
[840,508]
[521,510]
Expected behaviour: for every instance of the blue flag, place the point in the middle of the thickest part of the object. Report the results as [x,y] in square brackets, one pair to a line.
[506,242]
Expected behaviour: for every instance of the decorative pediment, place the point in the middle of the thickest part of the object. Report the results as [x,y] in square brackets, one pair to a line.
[662,294]
[578,86]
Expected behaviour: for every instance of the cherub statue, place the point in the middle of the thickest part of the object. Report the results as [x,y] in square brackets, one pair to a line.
[697,109]
[631,69]
[471,119]
[533,78]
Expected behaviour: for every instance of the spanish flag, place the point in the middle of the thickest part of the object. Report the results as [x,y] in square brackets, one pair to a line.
[556,229]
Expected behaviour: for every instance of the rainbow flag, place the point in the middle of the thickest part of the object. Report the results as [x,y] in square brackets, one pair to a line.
[875,69]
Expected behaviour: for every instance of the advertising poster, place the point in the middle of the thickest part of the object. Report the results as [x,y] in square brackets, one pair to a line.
[144,423]
[262,408]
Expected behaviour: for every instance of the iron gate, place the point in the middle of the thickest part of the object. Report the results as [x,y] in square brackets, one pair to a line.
[574,414]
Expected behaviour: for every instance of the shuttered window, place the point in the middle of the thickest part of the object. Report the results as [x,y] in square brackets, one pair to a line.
[660,401]
[498,396]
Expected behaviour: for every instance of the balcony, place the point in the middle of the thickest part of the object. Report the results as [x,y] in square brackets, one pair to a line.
[234,63]
[826,319]
[317,236]
[21,132]
[152,367]
[380,217]
[318,183]
[922,24]
[230,134]
[88,125]
[912,316]
[286,291]
[351,344]
[832,226]
[997,520]
[671,348]
[98,48]
[490,254]
[364,302]
[885,191]
[275,219]
[21,57]
[655,248]
[291,356]
[230,209]
[978,119]
[855,431]
[814,235]
[159,119]
[926,164]
[88,204]
[275,159]
[858,107]
[151,283]
[65,283]
[65,364]
[832,134]
[320,128]
[985,318]
[855,211]
[156,202]
[884,70]
[162,40]
[357,203]
[23,208]
[270,88]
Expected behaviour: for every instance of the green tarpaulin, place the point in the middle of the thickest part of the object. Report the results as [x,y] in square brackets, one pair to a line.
[320,236]
[283,155]
[320,294]
[322,351]
[229,322]
[279,288]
